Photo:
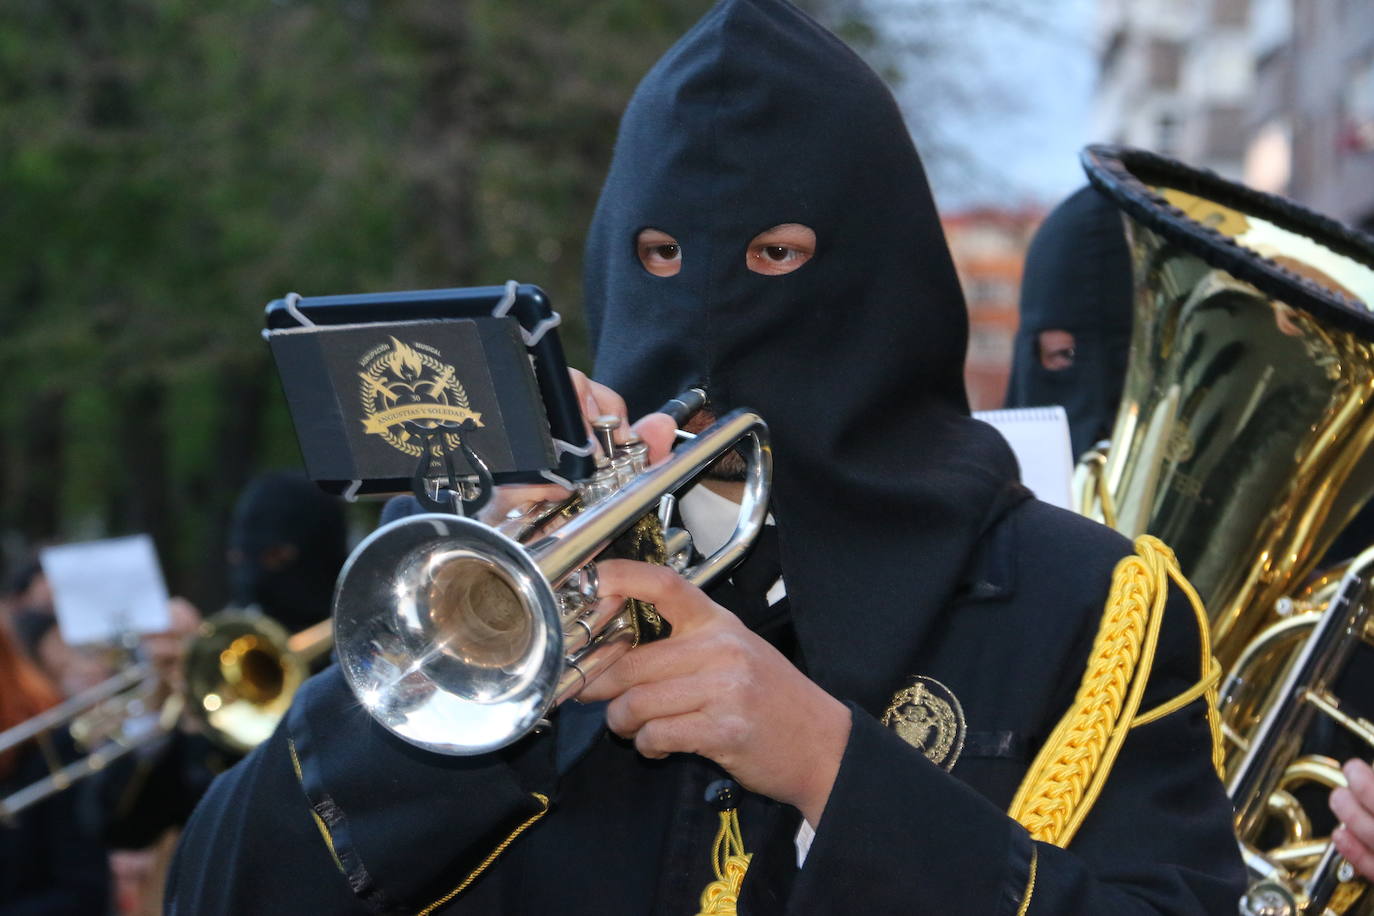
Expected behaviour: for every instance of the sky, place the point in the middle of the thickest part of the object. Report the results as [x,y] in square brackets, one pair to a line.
[1026,80]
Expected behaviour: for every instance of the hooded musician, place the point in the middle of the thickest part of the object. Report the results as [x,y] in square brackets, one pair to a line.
[910,701]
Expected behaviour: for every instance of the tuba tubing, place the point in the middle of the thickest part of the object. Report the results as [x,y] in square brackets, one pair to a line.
[1323,656]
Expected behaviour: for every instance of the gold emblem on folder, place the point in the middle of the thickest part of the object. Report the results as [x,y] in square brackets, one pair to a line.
[404,384]
[927,715]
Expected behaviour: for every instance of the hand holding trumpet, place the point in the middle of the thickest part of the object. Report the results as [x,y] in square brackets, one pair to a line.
[715,688]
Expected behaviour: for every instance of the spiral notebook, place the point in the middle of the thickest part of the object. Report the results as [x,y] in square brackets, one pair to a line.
[1040,438]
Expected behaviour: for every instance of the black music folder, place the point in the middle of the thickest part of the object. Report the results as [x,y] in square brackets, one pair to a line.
[376,382]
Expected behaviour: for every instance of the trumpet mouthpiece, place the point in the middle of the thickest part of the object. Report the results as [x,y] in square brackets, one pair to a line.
[682,406]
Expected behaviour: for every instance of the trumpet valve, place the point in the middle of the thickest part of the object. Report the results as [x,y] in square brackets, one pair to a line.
[604,427]
[637,450]
[601,485]
[624,469]
[578,593]
[677,548]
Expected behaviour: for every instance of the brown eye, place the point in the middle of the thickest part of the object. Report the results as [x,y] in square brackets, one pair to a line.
[659,252]
[780,250]
[1057,350]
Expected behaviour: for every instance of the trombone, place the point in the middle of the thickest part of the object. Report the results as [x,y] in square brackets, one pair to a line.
[128,687]
[242,670]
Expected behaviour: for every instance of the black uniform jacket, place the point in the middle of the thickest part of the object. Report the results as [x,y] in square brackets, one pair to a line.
[334,815]
[51,858]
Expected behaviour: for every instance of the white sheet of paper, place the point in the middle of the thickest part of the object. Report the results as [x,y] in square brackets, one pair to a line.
[104,589]
[1040,438]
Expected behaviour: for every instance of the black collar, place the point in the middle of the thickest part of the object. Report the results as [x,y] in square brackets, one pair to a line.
[991,571]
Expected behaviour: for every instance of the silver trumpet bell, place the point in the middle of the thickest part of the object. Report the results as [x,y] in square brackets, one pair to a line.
[460,639]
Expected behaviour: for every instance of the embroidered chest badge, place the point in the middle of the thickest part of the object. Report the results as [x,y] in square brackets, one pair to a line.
[927,715]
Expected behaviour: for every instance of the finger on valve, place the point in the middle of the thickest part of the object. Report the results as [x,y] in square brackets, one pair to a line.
[599,403]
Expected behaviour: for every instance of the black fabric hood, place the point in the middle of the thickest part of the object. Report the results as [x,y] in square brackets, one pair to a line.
[757,117]
[1077,278]
[283,512]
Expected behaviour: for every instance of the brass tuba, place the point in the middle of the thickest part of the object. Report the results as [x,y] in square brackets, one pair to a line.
[1242,440]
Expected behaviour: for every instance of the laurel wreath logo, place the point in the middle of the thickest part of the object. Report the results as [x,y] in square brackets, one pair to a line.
[403,385]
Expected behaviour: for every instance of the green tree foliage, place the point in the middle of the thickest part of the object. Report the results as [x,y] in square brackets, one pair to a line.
[167,167]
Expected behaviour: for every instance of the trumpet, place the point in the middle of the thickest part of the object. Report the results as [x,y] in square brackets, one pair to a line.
[241,671]
[459,638]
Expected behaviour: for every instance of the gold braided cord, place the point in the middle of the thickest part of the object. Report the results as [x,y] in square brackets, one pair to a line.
[1070,771]
[721,896]
[1024,908]
[1211,670]
[319,821]
[491,856]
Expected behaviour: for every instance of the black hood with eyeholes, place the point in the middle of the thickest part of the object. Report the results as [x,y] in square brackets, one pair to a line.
[1077,279]
[758,117]
[288,541]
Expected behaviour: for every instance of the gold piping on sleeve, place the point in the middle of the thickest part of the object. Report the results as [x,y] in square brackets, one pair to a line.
[491,857]
[1030,885]
[319,821]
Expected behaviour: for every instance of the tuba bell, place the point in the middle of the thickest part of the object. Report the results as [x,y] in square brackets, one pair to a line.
[1243,441]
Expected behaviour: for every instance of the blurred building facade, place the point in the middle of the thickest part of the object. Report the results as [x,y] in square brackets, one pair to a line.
[1312,123]
[1276,93]
[988,246]
[1176,76]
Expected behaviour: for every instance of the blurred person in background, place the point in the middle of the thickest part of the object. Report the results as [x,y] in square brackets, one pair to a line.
[72,668]
[51,861]
[145,796]
[287,542]
[29,589]
[900,529]
[109,806]
[1075,331]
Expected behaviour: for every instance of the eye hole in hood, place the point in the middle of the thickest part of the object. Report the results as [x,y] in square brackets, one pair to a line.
[781,249]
